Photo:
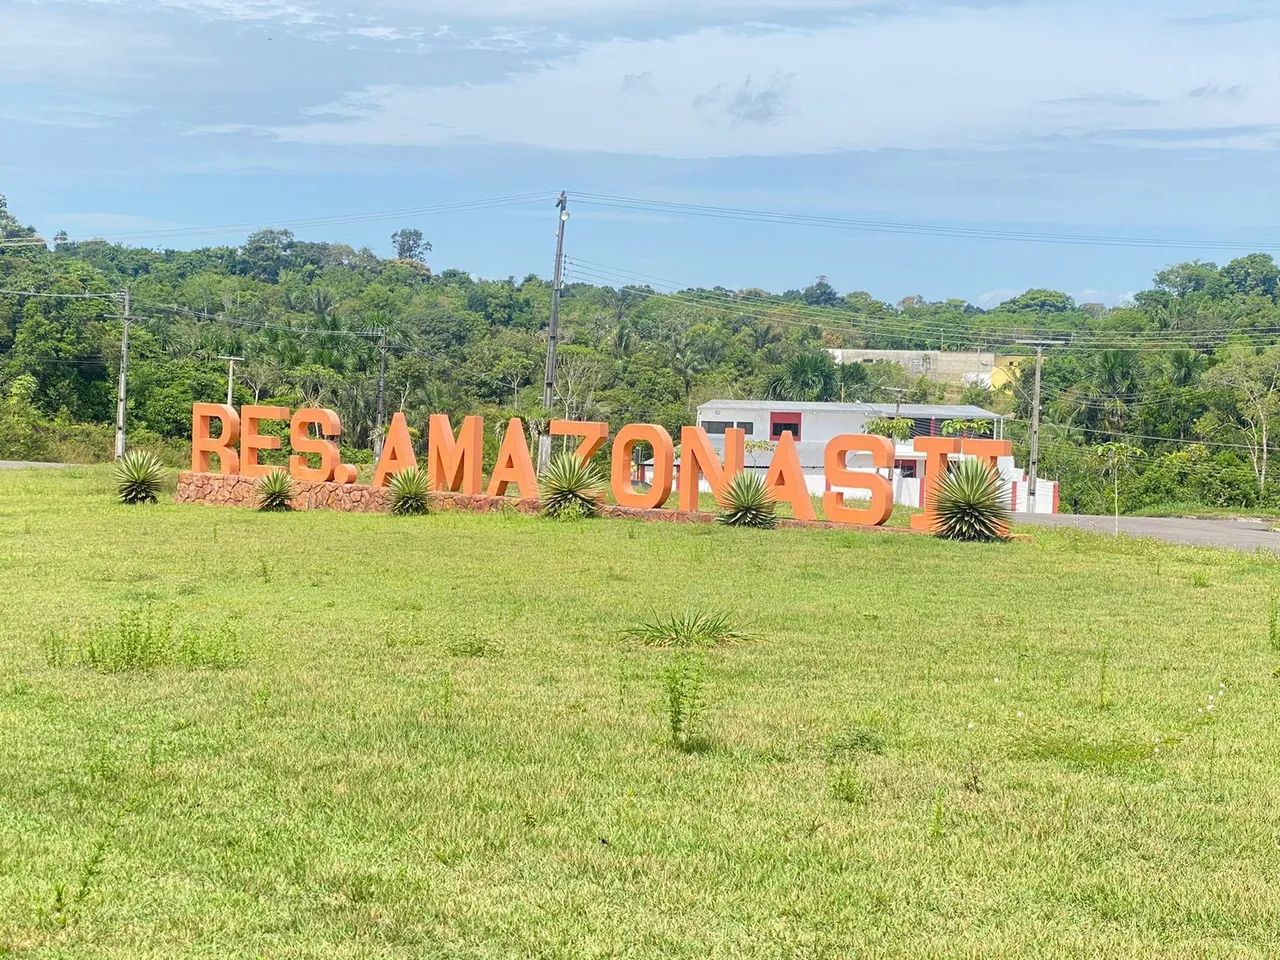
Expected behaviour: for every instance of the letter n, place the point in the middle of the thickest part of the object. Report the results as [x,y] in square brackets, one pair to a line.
[698,459]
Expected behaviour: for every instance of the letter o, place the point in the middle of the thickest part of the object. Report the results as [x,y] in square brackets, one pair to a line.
[664,456]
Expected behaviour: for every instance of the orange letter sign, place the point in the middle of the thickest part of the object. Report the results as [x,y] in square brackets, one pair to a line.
[251,441]
[514,465]
[989,451]
[303,442]
[697,457]
[202,444]
[397,451]
[455,465]
[838,474]
[592,432]
[939,450]
[785,479]
[664,456]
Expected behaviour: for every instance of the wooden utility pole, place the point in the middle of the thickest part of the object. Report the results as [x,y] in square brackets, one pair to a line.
[553,331]
[123,384]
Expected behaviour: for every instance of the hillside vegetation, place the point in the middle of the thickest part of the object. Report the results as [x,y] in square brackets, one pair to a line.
[1177,392]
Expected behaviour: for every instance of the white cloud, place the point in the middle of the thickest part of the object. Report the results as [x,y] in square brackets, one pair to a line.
[390,34]
[969,78]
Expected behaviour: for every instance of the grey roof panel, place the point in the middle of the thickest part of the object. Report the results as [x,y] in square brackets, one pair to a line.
[950,411]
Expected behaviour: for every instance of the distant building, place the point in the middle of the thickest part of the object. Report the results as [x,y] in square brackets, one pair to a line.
[945,366]
[814,424]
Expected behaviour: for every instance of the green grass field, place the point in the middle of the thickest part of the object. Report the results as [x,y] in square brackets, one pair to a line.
[365,736]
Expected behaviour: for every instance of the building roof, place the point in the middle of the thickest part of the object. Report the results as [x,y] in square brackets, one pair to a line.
[911,411]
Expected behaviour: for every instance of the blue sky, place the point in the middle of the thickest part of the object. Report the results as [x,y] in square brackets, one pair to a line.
[1151,119]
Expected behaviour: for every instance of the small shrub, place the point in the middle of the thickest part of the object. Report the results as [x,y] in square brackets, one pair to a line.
[848,786]
[410,492]
[571,487]
[682,682]
[572,512]
[143,641]
[138,477]
[220,648]
[747,502]
[971,504]
[471,643]
[138,642]
[687,630]
[854,742]
[57,651]
[275,491]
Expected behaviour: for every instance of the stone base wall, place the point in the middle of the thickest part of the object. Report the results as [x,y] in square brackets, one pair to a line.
[238,491]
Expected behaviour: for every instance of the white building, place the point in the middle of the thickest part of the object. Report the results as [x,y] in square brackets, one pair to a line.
[946,366]
[814,424]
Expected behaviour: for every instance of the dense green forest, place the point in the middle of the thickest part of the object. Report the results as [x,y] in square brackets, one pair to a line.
[1177,394]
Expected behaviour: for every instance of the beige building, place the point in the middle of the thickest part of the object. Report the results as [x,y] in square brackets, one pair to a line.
[945,366]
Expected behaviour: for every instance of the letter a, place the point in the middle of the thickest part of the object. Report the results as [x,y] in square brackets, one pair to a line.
[514,464]
[397,451]
[785,479]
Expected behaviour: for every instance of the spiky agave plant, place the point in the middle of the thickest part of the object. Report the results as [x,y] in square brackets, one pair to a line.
[971,503]
[747,502]
[138,477]
[570,487]
[410,492]
[275,490]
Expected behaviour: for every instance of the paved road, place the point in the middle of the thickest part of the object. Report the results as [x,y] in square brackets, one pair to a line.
[20,464]
[1247,535]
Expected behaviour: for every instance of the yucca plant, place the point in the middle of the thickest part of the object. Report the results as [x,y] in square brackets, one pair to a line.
[275,490]
[410,492]
[570,487]
[747,502]
[971,503]
[138,477]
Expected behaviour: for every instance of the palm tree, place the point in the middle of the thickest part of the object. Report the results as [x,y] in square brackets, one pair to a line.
[806,378]
[1185,366]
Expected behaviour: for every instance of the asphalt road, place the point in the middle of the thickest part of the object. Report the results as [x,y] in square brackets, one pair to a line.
[1246,535]
[22,464]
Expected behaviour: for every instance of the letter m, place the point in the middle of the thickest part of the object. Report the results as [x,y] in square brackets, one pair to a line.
[455,465]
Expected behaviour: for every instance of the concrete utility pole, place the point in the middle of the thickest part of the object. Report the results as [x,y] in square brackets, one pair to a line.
[549,382]
[231,374]
[123,384]
[379,425]
[1033,458]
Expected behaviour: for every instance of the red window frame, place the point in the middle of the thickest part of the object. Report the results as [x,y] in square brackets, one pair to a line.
[783,416]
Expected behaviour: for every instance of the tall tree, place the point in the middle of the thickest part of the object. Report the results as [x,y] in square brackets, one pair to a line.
[409,244]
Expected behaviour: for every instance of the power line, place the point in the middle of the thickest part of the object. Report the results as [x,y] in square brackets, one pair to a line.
[60,296]
[904,327]
[1144,436]
[888,325]
[917,229]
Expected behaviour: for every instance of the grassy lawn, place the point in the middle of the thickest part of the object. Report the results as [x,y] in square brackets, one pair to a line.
[379,737]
